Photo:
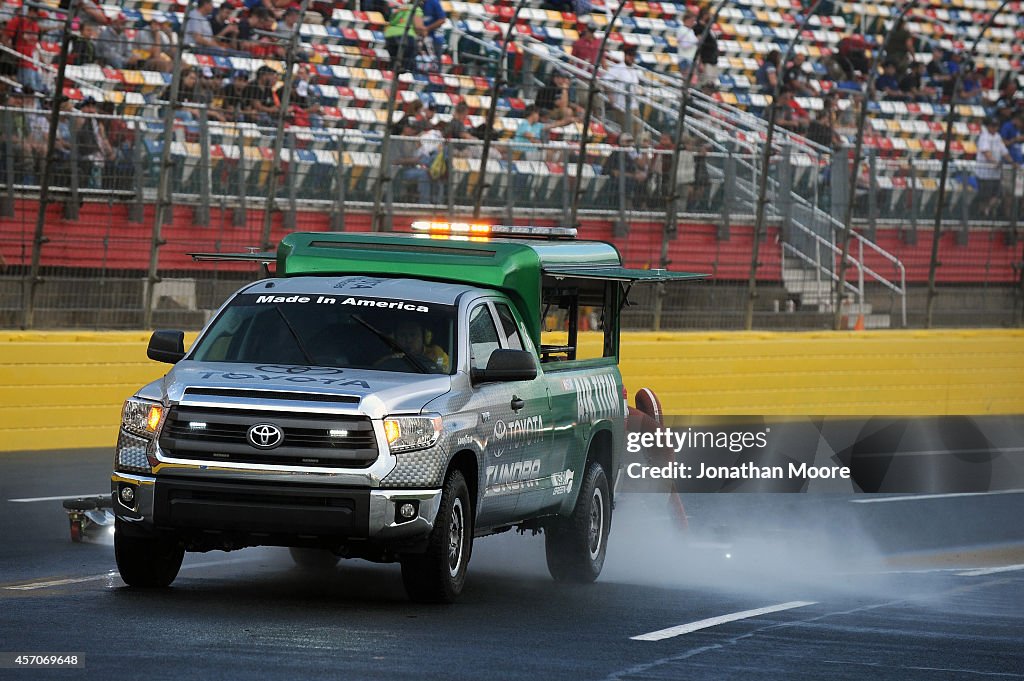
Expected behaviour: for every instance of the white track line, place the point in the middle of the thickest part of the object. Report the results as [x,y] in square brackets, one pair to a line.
[662,634]
[65,496]
[922,497]
[58,582]
[981,572]
[31,586]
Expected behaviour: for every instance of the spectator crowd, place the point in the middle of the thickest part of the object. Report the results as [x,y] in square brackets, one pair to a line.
[415,40]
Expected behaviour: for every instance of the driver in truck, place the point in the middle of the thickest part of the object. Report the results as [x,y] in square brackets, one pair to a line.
[410,337]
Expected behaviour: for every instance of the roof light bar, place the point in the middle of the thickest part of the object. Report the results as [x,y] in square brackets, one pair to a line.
[451,227]
[481,229]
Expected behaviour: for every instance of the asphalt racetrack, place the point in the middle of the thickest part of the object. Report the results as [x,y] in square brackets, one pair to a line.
[783,586]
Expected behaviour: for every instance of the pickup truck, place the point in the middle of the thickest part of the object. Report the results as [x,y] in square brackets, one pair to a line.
[389,397]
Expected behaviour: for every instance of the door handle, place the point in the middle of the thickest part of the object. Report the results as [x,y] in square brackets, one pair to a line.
[517,403]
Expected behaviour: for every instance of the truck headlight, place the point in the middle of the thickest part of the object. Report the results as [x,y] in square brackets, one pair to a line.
[405,433]
[136,446]
[142,418]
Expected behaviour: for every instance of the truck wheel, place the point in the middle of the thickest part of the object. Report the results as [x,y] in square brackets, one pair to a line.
[438,575]
[313,559]
[576,545]
[147,561]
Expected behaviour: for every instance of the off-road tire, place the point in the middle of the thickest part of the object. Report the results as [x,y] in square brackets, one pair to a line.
[147,562]
[439,575]
[576,545]
[313,559]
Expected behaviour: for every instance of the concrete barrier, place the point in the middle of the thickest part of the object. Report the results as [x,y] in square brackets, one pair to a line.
[65,389]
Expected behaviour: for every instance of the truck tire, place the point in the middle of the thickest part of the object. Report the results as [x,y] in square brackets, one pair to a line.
[576,546]
[148,562]
[438,575]
[313,559]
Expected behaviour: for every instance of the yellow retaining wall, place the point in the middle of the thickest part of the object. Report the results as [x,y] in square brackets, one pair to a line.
[65,389]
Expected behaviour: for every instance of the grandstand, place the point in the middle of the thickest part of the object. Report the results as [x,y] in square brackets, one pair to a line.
[223,153]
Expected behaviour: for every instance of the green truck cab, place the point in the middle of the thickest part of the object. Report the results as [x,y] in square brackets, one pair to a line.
[389,397]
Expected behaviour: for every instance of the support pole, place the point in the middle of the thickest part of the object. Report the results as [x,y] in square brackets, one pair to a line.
[587,113]
[163,198]
[340,188]
[934,263]
[274,179]
[39,239]
[762,192]
[496,85]
[671,227]
[384,177]
[201,216]
[858,149]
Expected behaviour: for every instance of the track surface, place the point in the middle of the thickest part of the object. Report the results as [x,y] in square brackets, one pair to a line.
[253,615]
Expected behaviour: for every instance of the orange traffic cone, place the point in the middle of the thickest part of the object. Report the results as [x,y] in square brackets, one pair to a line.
[859,326]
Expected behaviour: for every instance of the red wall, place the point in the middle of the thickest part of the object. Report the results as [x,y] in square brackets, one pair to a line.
[103,237]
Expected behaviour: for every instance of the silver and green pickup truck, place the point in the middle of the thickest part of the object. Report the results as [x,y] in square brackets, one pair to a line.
[389,397]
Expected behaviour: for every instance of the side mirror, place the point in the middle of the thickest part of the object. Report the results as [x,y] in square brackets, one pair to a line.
[507,365]
[166,345]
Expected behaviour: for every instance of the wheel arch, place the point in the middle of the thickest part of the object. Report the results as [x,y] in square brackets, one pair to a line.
[601,451]
[465,461]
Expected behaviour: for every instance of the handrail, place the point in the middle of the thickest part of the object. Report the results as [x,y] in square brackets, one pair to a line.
[806,258]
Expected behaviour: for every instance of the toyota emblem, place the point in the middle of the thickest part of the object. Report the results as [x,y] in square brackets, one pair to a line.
[265,436]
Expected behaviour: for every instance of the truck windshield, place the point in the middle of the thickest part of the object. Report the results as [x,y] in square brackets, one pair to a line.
[332,331]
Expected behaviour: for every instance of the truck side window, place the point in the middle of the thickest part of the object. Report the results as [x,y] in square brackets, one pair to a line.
[483,336]
[508,325]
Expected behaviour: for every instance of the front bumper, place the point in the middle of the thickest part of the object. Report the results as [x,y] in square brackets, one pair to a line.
[271,513]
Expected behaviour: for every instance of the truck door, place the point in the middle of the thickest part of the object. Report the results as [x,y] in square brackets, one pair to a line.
[512,418]
[535,431]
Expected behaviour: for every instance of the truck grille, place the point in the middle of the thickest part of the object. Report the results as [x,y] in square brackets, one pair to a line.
[313,440]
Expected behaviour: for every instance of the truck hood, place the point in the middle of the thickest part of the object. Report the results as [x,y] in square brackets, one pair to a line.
[380,393]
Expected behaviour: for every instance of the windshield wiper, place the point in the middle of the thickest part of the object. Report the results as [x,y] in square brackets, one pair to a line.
[295,335]
[391,343]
